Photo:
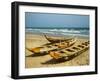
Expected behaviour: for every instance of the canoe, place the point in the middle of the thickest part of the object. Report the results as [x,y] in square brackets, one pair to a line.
[52,47]
[56,40]
[71,51]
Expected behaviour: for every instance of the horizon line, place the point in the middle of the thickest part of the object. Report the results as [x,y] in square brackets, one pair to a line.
[57,27]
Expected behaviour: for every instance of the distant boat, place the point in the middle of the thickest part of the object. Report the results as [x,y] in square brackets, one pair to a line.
[56,40]
[71,51]
[54,46]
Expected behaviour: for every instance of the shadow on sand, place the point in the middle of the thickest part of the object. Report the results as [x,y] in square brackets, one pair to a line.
[37,54]
[61,60]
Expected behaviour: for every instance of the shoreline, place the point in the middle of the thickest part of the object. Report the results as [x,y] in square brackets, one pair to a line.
[59,35]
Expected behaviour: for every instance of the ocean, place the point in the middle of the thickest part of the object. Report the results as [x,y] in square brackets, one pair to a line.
[75,32]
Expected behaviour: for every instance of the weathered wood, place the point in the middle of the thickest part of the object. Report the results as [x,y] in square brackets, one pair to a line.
[67,52]
[52,47]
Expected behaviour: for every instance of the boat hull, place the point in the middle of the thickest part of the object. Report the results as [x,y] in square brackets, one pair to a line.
[52,47]
[68,52]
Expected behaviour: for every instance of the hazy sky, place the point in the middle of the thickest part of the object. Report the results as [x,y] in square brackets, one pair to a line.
[55,20]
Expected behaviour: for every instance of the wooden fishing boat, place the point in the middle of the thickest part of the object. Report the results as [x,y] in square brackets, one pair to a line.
[54,46]
[56,40]
[71,51]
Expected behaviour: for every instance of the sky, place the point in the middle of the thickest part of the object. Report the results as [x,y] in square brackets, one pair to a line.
[52,20]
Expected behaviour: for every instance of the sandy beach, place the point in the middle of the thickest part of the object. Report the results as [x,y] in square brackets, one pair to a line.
[37,61]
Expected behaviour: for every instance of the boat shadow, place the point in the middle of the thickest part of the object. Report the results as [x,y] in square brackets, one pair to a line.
[36,54]
[62,60]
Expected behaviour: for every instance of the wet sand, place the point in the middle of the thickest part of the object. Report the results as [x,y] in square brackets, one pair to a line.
[36,61]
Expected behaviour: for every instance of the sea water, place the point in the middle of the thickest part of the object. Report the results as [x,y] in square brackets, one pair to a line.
[76,32]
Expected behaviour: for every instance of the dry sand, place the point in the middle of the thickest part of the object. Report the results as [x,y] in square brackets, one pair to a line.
[32,61]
